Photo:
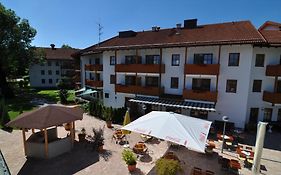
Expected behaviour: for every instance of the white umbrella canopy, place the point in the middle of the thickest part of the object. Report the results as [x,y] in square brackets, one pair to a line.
[180,129]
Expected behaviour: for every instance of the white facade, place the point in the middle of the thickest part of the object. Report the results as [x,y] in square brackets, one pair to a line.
[45,75]
[234,105]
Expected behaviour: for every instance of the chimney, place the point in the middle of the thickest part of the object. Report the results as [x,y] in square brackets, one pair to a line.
[155,28]
[53,46]
[190,23]
[178,25]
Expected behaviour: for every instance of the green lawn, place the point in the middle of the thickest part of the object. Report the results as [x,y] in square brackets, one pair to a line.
[22,101]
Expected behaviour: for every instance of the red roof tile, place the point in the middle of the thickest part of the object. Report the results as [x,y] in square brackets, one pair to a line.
[57,53]
[242,32]
[273,35]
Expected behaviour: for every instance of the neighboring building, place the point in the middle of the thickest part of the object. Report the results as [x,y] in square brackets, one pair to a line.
[204,71]
[57,63]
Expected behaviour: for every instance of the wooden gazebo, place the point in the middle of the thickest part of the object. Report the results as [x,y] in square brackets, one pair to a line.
[46,119]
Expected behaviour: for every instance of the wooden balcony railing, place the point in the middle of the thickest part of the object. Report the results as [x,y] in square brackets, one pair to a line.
[93,67]
[200,95]
[273,70]
[133,89]
[140,68]
[202,69]
[272,97]
[93,83]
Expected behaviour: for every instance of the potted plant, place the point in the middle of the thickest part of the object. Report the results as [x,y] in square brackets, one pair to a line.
[107,113]
[82,135]
[130,159]
[98,139]
[167,166]
[67,126]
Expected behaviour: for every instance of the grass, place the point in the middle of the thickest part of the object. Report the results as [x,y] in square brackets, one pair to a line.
[22,101]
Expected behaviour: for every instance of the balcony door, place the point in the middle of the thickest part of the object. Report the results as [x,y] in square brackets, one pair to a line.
[267,116]
[254,114]
[151,81]
[203,59]
[152,59]
[201,84]
[132,80]
[278,90]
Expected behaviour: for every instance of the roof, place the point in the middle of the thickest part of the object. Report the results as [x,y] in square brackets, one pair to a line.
[242,32]
[271,31]
[57,53]
[47,116]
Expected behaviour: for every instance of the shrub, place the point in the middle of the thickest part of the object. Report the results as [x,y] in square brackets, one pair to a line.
[97,139]
[167,167]
[129,157]
[63,94]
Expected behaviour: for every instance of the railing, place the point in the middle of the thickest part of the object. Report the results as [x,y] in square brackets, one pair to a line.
[272,97]
[200,95]
[202,69]
[93,67]
[133,89]
[140,68]
[93,83]
[273,70]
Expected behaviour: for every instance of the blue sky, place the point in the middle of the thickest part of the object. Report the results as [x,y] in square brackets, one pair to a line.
[74,22]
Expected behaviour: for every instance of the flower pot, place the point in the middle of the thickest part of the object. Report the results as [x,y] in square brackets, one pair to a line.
[81,137]
[132,168]
[67,126]
[109,124]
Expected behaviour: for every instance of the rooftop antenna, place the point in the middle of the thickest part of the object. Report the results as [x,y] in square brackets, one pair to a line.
[100,27]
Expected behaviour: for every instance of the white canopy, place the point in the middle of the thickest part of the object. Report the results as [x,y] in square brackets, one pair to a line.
[183,130]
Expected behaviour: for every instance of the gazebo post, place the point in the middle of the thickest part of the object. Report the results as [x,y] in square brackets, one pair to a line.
[71,133]
[24,140]
[46,142]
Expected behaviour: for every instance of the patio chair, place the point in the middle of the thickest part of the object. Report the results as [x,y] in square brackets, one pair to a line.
[208,172]
[140,148]
[225,164]
[248,148]
[197,171]
[118,137]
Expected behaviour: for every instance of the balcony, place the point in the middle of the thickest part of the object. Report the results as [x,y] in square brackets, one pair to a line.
[272,97]
[202,69]
[93,83]
[133,89]
[200,95]
[273,70]
[93,67]
[140,68]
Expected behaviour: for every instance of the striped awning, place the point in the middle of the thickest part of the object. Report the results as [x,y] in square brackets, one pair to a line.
[175,103]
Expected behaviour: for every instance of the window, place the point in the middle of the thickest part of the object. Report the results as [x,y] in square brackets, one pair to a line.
[132,59]
[97,61]
[152,59]
[112,60]
[231,86]
[259,60]
[112,79]
[280,60]
[174,82]
[49,63]
[233,59]
[57,72]
[267,114]
[254,115]
[43,81]
[201,84]
[49,72]
[130,80]
[199,114]
[42,64]
[50,81]
[203,58]
[42,72]
[175,59]
[57,63]
[98,77]
[57,80]
[151,81]
[278,90]
[106,95]
[257,85]
[279,115]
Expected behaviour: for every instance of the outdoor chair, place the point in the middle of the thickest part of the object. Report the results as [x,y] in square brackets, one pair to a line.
[208,172]
[118,136]
[225,164]
[171,155]
[248,148]
[197,171]
[140,148]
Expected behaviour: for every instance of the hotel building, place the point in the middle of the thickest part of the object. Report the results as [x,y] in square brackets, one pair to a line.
[205,71]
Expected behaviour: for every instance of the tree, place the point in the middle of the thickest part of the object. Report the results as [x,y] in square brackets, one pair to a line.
[16,52]
[66,46]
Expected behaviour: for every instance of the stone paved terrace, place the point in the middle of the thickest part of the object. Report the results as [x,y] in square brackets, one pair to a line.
[82,160]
